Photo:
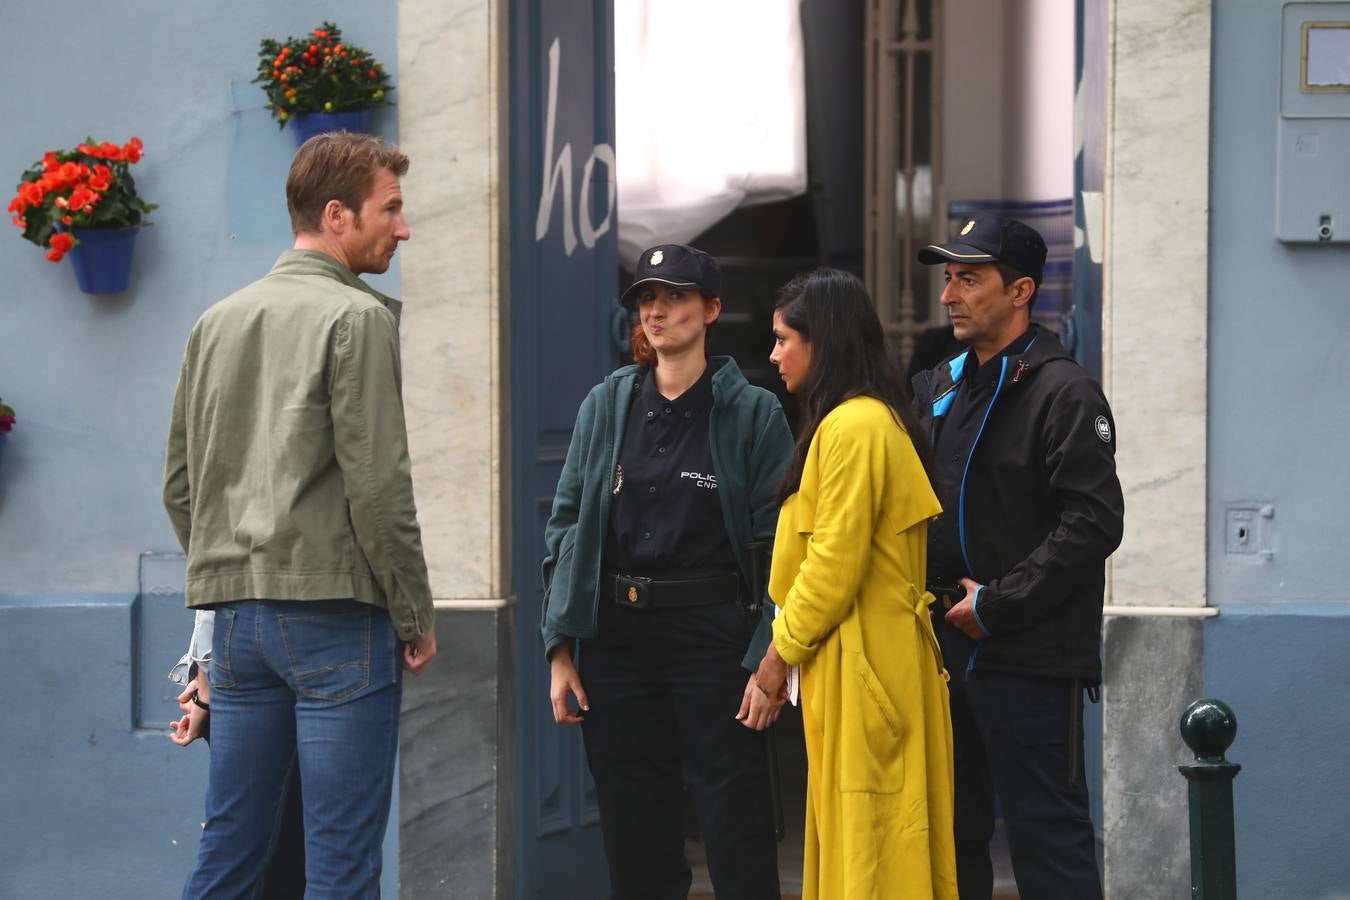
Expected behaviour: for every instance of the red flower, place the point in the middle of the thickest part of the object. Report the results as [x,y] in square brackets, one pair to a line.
[49,162]
[66,220]
[110,151]
[19,222]
[18,204]
[68,172]
[132,153]
[79,199]
[61,242]
[99,183]
[31,193]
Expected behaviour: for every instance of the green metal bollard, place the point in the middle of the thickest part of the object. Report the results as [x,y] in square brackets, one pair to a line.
[1208,727]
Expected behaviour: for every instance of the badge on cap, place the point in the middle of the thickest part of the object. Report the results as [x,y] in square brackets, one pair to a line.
[657,257]
[969,225]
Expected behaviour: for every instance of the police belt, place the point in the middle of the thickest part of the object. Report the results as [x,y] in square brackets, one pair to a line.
[638,592]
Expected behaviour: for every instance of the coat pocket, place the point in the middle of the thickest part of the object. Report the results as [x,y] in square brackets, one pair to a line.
[871,733]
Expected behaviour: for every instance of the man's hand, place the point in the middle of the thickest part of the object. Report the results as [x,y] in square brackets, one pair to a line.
[565,682]
[962,615]
[419,651]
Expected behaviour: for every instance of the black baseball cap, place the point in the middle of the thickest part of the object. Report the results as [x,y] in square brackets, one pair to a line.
[676,265]
[988,239]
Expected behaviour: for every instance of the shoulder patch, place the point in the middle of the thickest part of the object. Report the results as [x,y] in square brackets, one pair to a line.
[1103,429]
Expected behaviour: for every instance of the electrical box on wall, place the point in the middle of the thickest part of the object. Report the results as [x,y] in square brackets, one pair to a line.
[1312,183]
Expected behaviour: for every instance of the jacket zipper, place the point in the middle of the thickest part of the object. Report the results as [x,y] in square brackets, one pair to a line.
[961,501]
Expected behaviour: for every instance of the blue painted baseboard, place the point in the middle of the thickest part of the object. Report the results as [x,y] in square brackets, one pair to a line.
[98,802]
[1284,669]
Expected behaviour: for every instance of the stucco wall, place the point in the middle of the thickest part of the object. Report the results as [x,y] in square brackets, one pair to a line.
[1279,316]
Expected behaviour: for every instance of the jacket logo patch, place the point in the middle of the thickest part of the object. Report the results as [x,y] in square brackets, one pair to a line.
[1023,367]
[1103,429]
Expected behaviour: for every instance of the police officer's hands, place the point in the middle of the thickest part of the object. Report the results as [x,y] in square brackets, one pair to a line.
[962,615]
[565,682]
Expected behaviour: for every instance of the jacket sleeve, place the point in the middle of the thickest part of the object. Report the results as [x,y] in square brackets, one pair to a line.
[1084,488]
[562,521]
[851,461]
[768,458]
[177,489]
[371,441]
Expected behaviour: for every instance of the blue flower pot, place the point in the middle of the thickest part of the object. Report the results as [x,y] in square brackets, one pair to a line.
[102,258]
[309,124]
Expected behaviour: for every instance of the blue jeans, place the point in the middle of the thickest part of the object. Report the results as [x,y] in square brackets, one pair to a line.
[314,684]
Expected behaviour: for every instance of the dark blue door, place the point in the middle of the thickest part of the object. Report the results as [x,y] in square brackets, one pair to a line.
[564,263]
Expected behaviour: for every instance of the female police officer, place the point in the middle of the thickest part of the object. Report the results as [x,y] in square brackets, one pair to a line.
[670,475]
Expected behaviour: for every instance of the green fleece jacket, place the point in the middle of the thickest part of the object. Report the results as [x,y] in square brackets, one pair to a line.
[750,443]
[287,473]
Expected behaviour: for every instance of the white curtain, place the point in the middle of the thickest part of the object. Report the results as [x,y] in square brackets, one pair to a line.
[710,113]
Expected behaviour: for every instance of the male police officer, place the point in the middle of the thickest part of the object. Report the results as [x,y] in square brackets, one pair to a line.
[1024,442]
[288,482]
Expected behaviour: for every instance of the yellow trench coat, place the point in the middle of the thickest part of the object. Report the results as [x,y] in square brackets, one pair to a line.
[848,573]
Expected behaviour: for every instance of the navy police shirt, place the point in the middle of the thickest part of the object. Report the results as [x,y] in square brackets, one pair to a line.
[665,517]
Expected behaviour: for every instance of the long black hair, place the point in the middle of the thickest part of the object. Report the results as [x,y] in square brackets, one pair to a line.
[831,310]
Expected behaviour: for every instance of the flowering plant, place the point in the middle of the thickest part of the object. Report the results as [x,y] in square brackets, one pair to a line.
[88,187]
[319,73]
[6,418]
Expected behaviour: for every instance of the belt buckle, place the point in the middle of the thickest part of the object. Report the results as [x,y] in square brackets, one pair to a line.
[633,591]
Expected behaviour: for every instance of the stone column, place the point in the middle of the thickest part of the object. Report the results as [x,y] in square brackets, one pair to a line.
[454,811]
[1155,313]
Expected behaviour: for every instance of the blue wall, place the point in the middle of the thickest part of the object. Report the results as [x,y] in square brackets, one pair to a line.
[1278,431]
[1278,326]
[95,805]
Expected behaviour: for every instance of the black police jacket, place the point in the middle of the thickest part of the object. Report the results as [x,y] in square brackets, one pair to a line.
[1042,510]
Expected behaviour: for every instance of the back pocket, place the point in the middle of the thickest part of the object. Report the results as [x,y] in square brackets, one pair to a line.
[329,653]
[220,670]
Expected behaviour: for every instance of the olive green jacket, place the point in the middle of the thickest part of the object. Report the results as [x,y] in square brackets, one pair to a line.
[287,474]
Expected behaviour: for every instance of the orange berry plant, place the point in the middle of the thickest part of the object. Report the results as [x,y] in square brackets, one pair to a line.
[88,187]
[319,73]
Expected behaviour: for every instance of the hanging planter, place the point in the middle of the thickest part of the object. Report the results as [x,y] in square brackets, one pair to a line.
[101,259]
[320,83]
[83,202]
[306,125]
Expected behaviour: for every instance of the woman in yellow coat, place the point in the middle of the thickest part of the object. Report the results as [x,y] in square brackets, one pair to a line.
[847,576]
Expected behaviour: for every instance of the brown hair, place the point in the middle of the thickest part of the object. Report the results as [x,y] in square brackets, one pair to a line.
[337,166]
[644,355]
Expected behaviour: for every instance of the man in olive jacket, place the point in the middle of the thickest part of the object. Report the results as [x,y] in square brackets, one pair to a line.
[288,482]
[1025,454]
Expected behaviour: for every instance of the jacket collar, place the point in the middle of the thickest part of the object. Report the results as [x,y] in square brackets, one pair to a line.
[727,380]
[313,262]
[947,377]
